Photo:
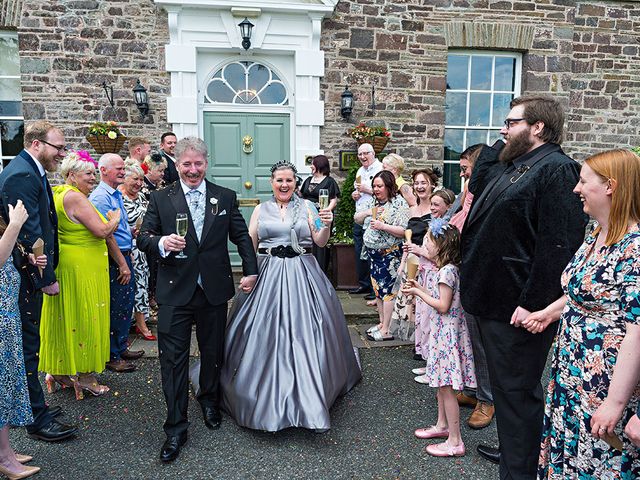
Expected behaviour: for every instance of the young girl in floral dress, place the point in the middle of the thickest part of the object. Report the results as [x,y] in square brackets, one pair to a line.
[449,355]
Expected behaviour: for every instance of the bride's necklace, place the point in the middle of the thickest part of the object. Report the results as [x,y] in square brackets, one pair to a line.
[282,210]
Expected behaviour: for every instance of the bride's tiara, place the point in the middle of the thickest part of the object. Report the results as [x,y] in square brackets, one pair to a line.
[282,164]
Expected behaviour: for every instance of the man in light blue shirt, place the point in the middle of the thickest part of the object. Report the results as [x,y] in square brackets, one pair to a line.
[107,197]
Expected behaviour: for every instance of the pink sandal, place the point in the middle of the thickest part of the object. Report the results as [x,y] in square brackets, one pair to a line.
[431,432]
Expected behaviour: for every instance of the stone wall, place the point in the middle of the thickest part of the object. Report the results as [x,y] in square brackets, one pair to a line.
[584,52]
[604,107]
[68,48]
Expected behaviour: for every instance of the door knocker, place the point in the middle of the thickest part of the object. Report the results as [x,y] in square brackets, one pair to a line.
[247,144]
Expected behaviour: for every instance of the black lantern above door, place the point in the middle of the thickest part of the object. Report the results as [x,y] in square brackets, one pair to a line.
[245,32]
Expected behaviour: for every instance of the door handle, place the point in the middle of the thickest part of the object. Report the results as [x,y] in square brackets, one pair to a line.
[248,185]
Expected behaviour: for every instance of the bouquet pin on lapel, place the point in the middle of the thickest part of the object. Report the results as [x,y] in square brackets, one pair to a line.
[214,202]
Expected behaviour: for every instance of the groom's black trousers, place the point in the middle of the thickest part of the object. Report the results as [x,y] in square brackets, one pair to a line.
[174,340]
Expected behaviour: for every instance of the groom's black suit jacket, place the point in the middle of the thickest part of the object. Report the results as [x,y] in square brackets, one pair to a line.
[209,257]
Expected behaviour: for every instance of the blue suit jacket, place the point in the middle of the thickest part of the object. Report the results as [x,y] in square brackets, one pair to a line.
[21,180]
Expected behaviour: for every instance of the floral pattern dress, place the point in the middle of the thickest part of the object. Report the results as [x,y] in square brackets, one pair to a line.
[15,408]
[603,295]
[448,348]
[135,211]
[428,278]
[383,250]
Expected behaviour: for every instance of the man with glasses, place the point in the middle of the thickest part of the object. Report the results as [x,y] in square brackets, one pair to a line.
[370,165]
[25,179]
[524,226]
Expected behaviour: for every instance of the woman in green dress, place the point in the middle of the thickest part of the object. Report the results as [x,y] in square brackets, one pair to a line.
[74,329]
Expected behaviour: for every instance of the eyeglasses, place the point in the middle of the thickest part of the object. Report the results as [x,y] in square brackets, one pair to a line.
[360,154]
[510,122]
[60,148]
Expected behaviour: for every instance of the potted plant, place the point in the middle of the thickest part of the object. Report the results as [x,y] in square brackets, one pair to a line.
[377,135]
[106,137]
[343,266]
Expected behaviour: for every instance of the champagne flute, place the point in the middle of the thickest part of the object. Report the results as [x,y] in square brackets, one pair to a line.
[323,198]
[182,224]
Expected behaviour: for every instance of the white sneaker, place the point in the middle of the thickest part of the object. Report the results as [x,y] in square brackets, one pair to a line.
[419,371]
[422,379]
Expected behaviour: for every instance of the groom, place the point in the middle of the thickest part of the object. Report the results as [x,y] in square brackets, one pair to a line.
[194,289]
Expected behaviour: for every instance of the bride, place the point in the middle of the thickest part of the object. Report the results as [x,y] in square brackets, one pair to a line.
[288,354]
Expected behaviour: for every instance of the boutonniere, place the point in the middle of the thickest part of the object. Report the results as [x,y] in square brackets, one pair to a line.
[214,202]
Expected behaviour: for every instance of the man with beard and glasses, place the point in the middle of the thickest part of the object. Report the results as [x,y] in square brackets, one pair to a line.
[523,228]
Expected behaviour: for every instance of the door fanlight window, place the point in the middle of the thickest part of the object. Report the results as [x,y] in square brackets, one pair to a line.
[246,83]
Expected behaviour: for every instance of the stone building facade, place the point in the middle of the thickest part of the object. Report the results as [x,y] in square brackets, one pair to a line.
[586,53]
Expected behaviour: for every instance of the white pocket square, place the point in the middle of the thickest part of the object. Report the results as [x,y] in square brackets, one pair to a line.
[223,212]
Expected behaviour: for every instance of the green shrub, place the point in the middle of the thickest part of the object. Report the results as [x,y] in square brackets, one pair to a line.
[343,223]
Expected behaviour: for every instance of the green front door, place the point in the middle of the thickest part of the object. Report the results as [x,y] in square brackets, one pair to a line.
[244,166]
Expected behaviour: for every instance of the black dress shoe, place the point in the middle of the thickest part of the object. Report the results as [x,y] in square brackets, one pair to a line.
[359,291]
[55,411]
[171,448]
[212,417]
[489,453]
[370,296]
[54,432]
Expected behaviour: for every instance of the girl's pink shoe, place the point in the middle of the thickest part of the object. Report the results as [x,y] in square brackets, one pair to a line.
[445,450]
[431,432]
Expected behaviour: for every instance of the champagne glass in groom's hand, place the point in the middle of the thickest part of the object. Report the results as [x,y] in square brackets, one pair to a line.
[182,224]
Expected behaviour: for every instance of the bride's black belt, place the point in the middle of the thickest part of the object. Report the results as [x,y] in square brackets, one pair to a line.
[282,251]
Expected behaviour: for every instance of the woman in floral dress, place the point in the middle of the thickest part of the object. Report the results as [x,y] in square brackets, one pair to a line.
[596,366]
[135,203]
[382,240]
[15,408]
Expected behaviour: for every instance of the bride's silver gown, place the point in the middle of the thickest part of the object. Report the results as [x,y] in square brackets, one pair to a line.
[288,354]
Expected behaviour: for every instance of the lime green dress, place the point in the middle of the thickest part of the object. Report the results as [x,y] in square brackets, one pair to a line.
[74,329]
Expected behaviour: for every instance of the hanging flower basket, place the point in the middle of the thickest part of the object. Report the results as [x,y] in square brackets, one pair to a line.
[103,144]
[376,135]
[378,143]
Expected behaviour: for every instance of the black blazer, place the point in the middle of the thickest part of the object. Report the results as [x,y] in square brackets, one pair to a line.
[21,180]
[177,278]
[515,249]
[170,173]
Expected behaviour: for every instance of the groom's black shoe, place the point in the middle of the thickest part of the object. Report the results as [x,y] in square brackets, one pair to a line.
[171,448]
[212,417]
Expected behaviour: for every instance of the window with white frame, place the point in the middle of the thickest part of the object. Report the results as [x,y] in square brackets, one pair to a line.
[11,119]
[246,83]
[480,86]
